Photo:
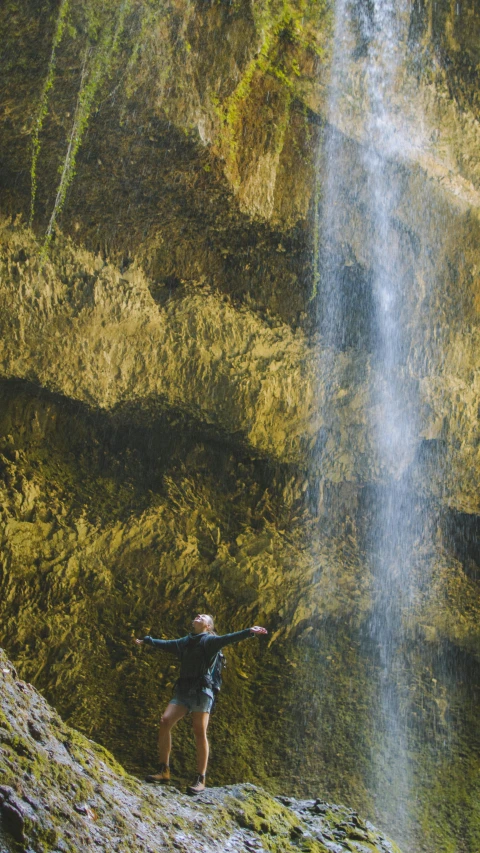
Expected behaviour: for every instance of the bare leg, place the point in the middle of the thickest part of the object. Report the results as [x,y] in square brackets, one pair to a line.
[200,722]
[173,713]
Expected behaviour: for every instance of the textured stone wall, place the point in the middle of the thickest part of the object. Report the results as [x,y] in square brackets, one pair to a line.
[61,790]
[176,434]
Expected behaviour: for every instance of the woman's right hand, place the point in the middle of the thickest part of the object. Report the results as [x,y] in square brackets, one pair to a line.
[258,630]
[138,642]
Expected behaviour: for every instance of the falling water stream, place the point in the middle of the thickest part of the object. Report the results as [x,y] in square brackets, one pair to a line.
[376,34]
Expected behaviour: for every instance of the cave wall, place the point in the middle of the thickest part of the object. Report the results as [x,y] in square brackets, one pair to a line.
[110,529]
[177,433]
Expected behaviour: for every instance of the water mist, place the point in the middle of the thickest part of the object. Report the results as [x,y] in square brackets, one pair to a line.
[373,316]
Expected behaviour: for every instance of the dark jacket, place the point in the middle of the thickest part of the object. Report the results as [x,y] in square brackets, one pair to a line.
[196,652]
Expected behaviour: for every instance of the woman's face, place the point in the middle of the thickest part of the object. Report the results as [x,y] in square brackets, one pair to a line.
[201,623]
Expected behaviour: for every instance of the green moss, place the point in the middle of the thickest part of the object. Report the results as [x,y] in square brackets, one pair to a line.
[149,18]
[450,807]
[43,106]
[18,745]
[289,32]
[263,814]
[104,27]
[279,828]
[4,722]
[104,755]
[93,33]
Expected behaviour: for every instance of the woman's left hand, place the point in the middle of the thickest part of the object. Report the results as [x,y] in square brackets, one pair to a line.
[258,630]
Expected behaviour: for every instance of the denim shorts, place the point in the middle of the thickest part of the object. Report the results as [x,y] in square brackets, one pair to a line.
[193,700]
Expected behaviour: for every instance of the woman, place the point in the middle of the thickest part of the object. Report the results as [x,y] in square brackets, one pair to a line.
[193,693]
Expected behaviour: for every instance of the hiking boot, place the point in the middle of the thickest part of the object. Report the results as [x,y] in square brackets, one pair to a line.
[162,776]
[198,786]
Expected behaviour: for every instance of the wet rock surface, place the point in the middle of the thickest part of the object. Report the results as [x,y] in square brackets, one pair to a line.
[174,430]
[62,792]
[80,327]
[110,531]
[222,366]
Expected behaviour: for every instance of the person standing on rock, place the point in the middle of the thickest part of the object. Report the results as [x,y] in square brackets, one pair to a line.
[193,692]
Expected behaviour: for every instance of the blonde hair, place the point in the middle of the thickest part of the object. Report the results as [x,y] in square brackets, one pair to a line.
[211,630]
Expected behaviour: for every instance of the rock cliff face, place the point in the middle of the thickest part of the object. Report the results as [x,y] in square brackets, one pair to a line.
[177,432]
[61,791]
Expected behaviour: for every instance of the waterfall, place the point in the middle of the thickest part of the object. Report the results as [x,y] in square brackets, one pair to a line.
[368,309]
[393,415]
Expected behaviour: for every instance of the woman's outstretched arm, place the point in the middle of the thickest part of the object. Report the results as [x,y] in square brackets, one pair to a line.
[214,643]
[171,646]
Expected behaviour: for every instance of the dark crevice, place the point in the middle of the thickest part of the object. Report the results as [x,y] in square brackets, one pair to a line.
[345,305]
[461,537]
[117,461]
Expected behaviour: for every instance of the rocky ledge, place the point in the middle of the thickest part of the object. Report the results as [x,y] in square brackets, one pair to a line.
[61,791]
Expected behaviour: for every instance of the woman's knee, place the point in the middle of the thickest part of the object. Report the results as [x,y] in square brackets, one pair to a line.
[200,735]
[166,722]
[172,714]
[200,728]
